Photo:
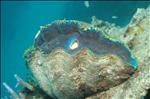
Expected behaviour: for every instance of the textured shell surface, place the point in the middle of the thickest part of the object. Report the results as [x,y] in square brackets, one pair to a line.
[63,76]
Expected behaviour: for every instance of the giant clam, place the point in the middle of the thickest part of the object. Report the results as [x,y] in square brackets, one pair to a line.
[73,60]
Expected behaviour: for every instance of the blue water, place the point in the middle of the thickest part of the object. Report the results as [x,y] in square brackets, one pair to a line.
[20,21]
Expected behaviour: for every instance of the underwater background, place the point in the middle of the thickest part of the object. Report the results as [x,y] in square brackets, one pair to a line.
[21,20]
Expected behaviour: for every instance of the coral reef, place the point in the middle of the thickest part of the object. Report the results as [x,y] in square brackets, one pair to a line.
[57,73]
